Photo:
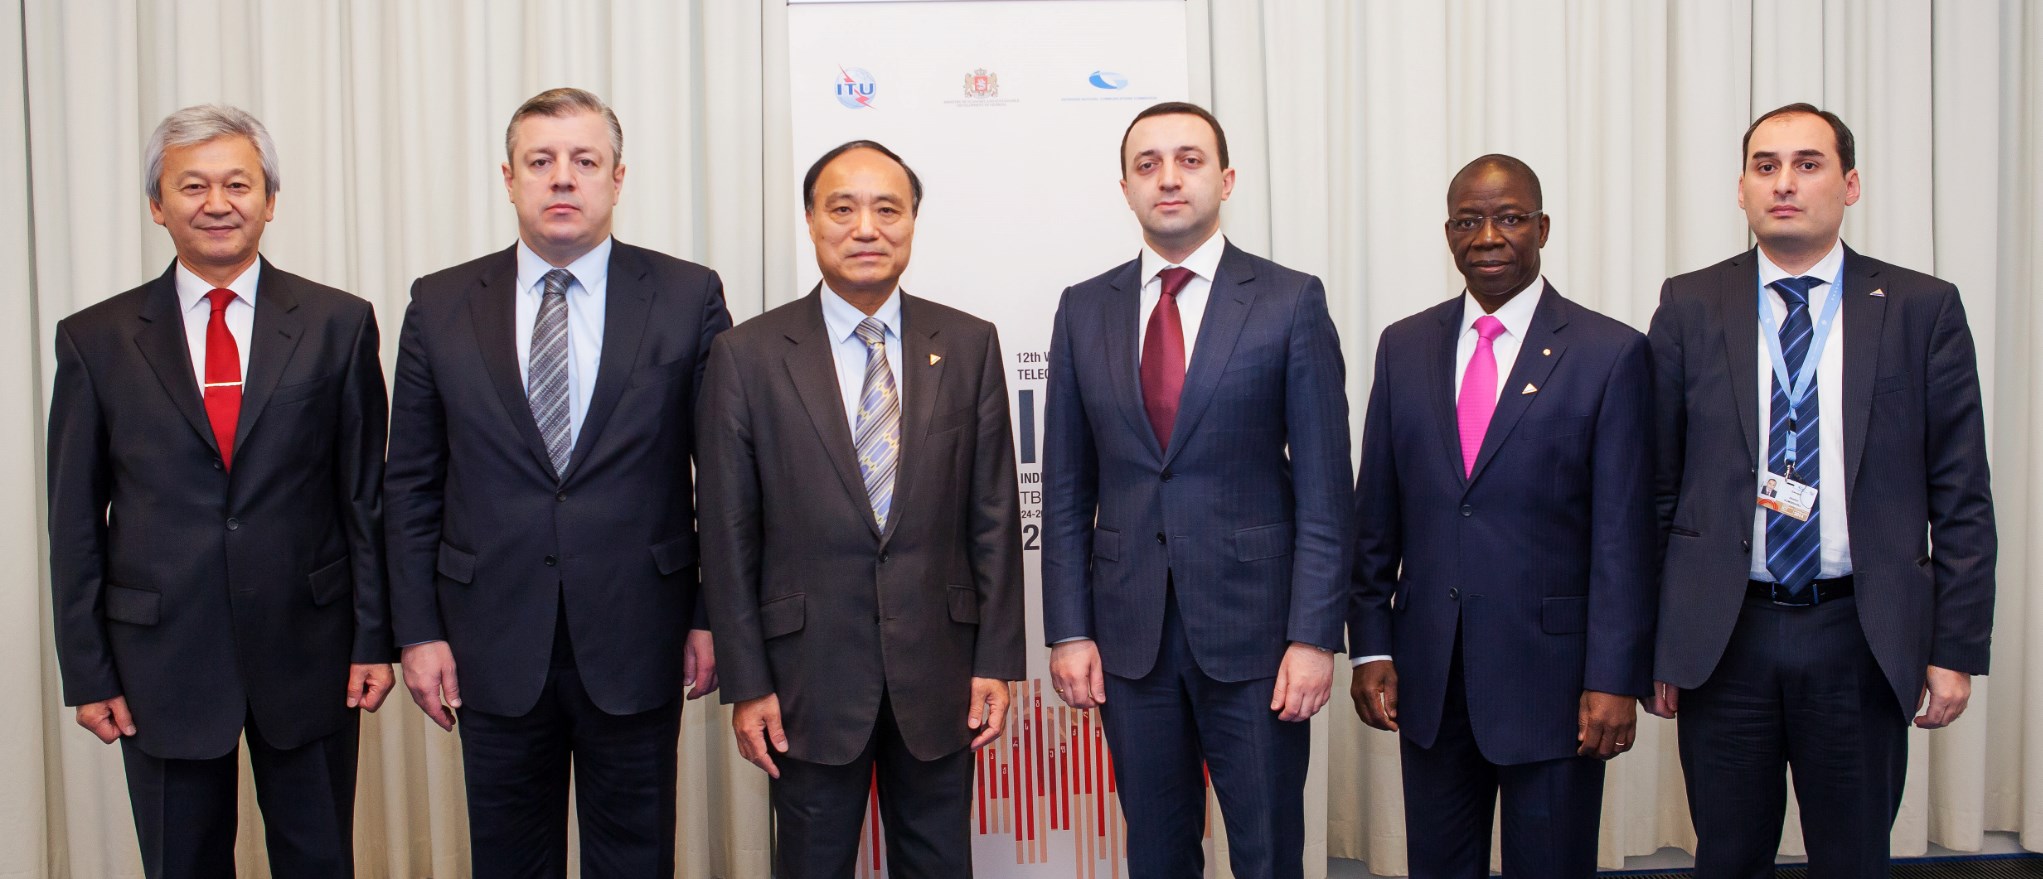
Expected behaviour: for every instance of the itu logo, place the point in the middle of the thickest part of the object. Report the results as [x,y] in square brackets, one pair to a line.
[855,88]
[1102,79]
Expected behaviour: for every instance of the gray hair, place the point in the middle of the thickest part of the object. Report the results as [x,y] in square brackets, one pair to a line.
[192,126]
[567,102]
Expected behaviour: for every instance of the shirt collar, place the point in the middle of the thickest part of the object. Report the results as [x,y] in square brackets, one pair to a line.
[1516,315]
[1824,270]
[1203,262]
[842,318]
[192,290]
[590,269]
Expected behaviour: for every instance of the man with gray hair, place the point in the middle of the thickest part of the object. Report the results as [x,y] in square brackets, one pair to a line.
[542,510]
[216,545]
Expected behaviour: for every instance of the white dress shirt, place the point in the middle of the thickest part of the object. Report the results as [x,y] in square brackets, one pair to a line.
[198,311]
[1516,316]
[585,301]
[841,320]
[1831,520]
[1191,300]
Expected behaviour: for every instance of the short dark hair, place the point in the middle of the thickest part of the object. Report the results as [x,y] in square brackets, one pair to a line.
[1170,108]
[1511,164]
[1847,150]
[816,170]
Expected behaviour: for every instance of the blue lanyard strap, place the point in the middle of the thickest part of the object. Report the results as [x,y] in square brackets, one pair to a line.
[1798,387]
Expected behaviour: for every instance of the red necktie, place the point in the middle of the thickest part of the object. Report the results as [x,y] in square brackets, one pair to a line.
[1163,356]
[223,376]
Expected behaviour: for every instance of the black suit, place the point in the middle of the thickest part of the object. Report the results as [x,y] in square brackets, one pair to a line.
[1914,456]
[870,637]
[213,600]
[566,602]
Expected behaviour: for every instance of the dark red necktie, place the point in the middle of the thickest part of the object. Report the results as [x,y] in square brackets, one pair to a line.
[1163,356]
[223,376]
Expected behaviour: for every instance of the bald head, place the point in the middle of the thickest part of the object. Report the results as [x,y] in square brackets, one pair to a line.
[1507,165]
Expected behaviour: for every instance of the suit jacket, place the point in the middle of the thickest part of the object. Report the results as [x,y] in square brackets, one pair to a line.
[811,600]
[1914,455]
[1541,559]
[485,542]
[203,595]
[1246,512]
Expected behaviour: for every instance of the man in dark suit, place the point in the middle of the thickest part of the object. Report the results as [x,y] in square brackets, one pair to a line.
[542,521]
[861,538]
[1196,512]
[1504,606]
[216,544]
[1807,641]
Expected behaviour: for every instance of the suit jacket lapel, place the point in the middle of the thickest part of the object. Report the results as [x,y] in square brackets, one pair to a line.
[813,367]
[1123,327]
[493,309]
[1538,353]
[1227,308]
[1440,383]
[1738,311]
[627,301]
[163,344]
[922,369]
[272,341]
[1864,315]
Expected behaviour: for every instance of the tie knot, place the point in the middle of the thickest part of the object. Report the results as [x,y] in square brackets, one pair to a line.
[557,281]
[1488,327]
[220,296]
[1174,279]
[871,332]
[1795,291]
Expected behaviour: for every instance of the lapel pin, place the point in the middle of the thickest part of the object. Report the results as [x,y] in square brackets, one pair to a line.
[933,358]
[1546,352]
[1529,389]
[1882,293]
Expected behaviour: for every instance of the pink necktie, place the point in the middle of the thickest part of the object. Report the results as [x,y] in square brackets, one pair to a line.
[1478,392]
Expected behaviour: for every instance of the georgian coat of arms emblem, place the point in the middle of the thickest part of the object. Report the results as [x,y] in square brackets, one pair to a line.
[980,84]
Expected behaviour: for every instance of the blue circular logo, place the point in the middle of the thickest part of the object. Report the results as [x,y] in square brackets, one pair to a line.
[1102,79]
[855,88]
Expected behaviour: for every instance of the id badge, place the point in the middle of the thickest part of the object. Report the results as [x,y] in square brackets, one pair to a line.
[1787,497]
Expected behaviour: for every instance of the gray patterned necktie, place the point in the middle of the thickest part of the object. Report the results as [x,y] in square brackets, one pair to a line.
[878,437]
[546,375]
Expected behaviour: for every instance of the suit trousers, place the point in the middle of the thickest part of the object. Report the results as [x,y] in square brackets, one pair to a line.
[1551,807]
[925,810]
[625,770]
[1797,689]
[1168,725]
[185,810]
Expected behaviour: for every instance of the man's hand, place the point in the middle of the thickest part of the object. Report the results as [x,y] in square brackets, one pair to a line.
[1077,675]
[1665,702]
[756,721]
[989,710]
[1609,724]
[698,664]
[1305,681]
[108,719]
[429,675]
[368,684]
[1374,689]
[1946,691]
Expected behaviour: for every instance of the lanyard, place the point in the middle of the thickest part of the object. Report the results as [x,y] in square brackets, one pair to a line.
[1797,389]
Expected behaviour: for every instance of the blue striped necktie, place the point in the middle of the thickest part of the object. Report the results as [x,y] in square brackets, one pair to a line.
[546,373]
[1794,547]
[878,437]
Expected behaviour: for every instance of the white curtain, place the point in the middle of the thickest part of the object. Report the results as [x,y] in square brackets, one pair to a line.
[1346,118]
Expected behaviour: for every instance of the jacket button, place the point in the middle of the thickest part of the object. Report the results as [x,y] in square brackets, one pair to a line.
[217,465]
[883,557]
[234,524]
[1167,475]
[1454,594]
[1467,510]
[1745,545]
[561,497]
[551,561]
[1159,537]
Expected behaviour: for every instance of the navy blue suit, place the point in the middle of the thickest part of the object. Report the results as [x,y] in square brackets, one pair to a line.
[1503,594]
[1193,568]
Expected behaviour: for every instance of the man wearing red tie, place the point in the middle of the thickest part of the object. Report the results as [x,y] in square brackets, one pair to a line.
[215,464]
